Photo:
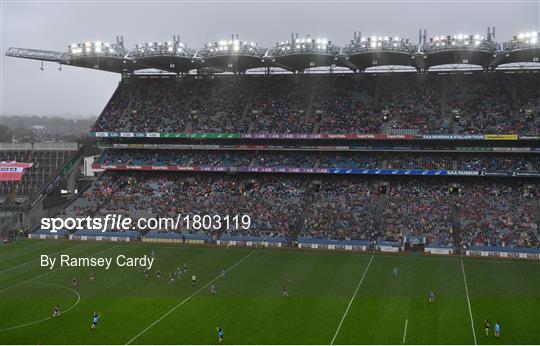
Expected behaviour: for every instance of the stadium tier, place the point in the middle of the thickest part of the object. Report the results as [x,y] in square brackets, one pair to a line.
[328,208]
[392,104]
[141,159]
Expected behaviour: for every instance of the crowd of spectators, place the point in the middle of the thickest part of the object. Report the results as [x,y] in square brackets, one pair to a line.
[495,163]
[499,215]
[271,202]
[417,208]
[486,213]
[343,209]
[387,103]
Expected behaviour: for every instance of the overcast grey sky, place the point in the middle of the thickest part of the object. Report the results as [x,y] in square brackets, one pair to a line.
[76,92]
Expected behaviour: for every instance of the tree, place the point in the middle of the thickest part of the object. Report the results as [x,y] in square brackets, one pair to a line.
[6,136]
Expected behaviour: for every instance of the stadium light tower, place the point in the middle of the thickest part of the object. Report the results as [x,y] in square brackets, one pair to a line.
[459,49]
[95,49]
[96,55]
[173,56]
[364,52]
[172,48]
[523,48]
[300,53]
[233,55]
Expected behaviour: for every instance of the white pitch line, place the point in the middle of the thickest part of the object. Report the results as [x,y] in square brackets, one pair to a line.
[49,271]
[23,264]
[468,300]
[405,331]
[50,317]
[350,302]
[187,299]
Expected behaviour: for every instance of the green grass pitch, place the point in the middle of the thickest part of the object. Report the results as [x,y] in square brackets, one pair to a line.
[335,297]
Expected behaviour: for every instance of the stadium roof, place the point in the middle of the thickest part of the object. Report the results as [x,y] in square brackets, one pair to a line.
[297,54]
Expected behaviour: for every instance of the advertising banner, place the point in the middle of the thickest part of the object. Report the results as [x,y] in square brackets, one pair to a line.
[12,171]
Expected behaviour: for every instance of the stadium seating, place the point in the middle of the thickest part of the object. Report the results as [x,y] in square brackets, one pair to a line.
[296,207]
[387,103]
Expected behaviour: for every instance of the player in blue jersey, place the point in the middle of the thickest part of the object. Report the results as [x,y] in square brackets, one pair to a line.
[220,334]
[95,320]
[497,330]
[431,298]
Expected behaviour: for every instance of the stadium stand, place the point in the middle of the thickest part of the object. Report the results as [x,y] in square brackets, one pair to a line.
[389,103]
[296,207]
[332,205]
